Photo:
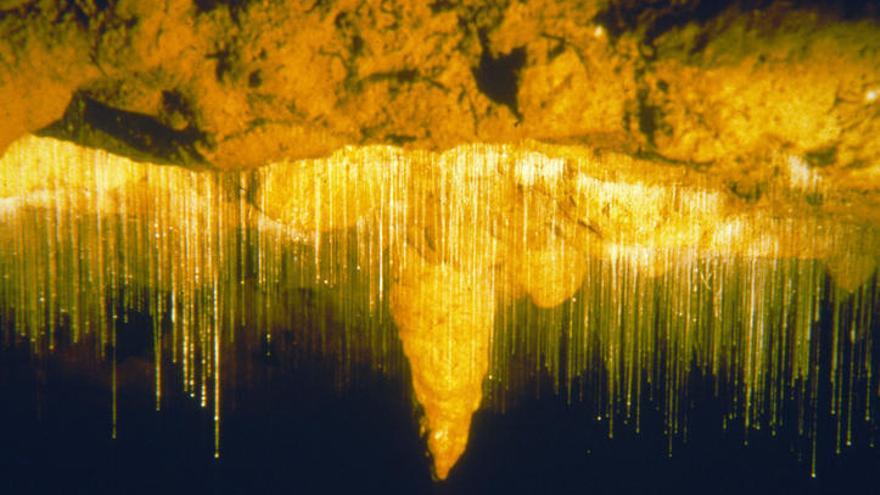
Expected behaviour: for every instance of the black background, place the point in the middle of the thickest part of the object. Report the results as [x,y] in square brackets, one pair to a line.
[296,431]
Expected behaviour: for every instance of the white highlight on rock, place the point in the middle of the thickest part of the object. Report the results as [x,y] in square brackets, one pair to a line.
[535,166]
[801,177]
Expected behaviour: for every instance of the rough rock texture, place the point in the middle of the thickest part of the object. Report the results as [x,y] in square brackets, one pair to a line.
[240,84]
[445,317]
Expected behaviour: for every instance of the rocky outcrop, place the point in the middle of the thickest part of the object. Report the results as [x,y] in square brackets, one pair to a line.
[240,84]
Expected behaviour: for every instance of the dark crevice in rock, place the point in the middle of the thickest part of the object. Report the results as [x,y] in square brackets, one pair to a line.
[255,79]
[206,5]
[400,139]
[345,23]
[398,78]
[654,18]
[210,5]
[135,135]
[85,11]
[176,110]
[322,7]
[498,77]
[224,64]
[438,6]
[648,117]
[822,157]
[748,192]
[653,156]
[404,76]
[700,12]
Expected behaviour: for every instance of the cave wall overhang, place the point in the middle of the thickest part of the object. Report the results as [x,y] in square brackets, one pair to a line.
[240,84]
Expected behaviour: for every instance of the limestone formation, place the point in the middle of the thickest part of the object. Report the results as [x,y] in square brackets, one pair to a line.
[496,146]
[240,84]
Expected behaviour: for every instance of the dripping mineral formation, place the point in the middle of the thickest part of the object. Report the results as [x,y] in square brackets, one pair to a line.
[448,238]
[449,160]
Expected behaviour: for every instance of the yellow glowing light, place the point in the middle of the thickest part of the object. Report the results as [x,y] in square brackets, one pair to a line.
[451,245]
[445,317]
